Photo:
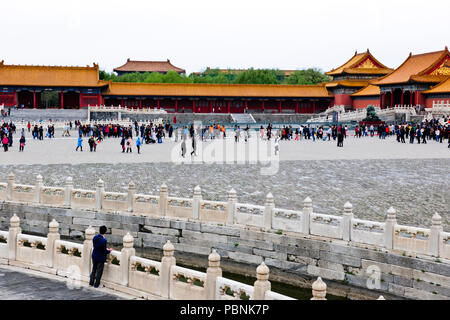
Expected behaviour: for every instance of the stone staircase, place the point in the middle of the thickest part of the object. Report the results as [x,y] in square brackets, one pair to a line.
[242,118]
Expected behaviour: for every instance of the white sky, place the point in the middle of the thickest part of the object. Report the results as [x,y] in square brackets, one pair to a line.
[195,34]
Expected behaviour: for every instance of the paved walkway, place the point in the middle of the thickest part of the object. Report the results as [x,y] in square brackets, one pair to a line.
[24,284]
[62,151]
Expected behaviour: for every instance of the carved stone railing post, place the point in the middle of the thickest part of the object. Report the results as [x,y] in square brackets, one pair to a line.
[14,230]
[52,236]
[232,199]
[197,198]
[68,192]
[167,261]
[126,253]
[262,283]
[37,189]
[214,270]
[389,228]
[306,213]
[10,185]
[435,234]
[163,195]
[87,249]
[99,194]
[268,211]
[347,221]
[131,192]
[319,290]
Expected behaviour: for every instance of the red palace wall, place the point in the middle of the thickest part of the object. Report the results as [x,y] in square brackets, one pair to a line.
[343,100]
[362,103]
[7,99]
[429,101]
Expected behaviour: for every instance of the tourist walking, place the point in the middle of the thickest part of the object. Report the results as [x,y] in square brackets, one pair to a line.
[92,144]
[129,142]
[21,143]
[99,253]
[5,143]
[340,137]
[183,147]
[194,146]
[80,143]
[138,144]
[122,143]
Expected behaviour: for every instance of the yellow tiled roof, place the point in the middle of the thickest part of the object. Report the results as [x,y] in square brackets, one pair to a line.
[356,65]
[370,90]
[443,87]
[415,66]
[43,76]
[215,90]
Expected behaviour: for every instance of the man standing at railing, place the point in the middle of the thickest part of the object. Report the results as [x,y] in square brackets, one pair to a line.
[98,257]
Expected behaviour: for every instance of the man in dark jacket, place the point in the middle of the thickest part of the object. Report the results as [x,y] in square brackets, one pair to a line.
[98,257]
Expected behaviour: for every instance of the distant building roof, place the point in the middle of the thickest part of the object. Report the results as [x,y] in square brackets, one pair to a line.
[426,67]
[47,76]
[370,90]
[216,90]
[148,66]
[443,87]
[347,83]
[361,63]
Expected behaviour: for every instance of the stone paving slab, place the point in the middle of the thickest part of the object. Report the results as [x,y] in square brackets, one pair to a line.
[21,284]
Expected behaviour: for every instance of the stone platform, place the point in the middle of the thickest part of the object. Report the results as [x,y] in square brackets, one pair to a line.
[21,284]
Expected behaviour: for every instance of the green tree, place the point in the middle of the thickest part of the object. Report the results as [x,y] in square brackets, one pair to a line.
[258,76]
[103,75]
[174,77]
[307,76]
[154,77]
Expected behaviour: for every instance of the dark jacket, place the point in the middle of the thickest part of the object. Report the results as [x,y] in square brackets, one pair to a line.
[99,253]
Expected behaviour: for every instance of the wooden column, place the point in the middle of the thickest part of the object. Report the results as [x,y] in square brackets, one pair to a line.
[62,100]
[34,99]
[80,100]
[381,100]
[411,98]
[210,106]
[15,98]
[245,104]
[262,106]
[228,106]
[140,103]
[314,107]
[99,99]
[157,103]
[193,106]
[401,99]
[279,106]
[392,98]
[176,105]
[296,106]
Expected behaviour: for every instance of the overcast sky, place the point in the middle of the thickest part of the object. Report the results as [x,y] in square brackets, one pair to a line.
[195,34]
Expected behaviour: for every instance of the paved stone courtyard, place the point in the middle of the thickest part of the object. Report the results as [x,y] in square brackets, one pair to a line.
[372,174]
[28,285]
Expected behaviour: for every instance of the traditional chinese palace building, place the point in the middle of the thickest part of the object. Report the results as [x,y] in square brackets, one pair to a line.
[421,80]
[132,66]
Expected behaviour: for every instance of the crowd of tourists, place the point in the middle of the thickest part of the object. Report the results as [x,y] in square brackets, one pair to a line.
[148,133]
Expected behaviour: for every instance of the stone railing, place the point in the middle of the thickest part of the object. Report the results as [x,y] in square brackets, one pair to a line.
[439,108]
[386,236]
[360,114]
[125,108]
[126,272]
